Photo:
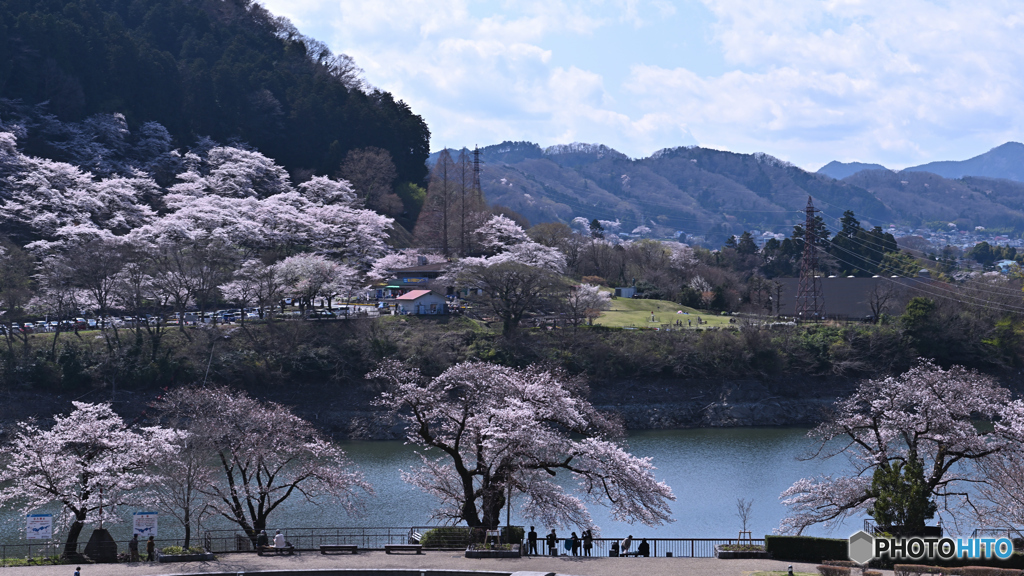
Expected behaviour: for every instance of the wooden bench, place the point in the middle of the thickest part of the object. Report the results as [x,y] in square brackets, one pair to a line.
[289,550]
[325,548]
[417,548]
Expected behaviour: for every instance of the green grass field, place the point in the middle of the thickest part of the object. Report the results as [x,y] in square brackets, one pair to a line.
[628,312]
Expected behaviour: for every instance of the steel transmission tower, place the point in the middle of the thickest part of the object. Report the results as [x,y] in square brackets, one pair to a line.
[476,170]
[810,304]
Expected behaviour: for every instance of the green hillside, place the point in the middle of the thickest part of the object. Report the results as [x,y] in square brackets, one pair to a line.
[638,313]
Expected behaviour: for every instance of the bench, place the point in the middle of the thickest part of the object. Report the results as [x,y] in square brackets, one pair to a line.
[325,548]
[417,548]
[289,550]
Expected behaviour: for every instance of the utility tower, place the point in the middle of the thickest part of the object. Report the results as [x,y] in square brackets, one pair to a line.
[810,304]
[476,170]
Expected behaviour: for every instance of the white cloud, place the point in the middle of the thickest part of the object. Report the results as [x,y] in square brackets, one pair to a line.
[805,80]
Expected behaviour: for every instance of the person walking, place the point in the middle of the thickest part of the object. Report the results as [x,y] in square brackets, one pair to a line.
[552,543]
[531,539]
[133,547]
[588,542]
[574,544]
[78,571]
[150,550]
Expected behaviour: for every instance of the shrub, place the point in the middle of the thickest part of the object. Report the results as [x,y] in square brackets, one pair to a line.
[447,537]
[512,534]
[807,548]
[916,569]
[847,563]
[825,570]
[986,571]
[176,550]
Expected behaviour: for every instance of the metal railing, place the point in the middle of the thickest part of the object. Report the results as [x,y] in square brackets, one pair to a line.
[51,548]
[674,547]
[310,539]
[218,541]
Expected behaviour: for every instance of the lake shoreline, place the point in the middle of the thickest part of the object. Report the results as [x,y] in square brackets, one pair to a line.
[667,404]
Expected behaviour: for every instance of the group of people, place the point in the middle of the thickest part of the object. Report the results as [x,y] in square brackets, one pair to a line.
[133,548]
[573,543]
[584,541]
[263,541]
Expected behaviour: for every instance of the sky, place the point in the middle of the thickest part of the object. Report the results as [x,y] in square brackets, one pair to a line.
[897,82]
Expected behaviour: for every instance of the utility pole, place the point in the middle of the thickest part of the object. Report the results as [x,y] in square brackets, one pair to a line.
[810,303]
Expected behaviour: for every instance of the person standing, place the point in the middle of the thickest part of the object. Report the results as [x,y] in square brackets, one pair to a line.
[78,571]
[531,538]
[133,547]
[625,544]
[150,550]
[574,544]
[588,542]
[552,543]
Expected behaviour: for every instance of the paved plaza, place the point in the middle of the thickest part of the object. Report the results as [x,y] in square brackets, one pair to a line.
[565,565]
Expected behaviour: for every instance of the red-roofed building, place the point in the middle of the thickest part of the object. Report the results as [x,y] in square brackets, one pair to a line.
[421,302]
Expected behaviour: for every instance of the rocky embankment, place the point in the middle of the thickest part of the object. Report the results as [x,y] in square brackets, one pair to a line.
[646,405]
[649,405]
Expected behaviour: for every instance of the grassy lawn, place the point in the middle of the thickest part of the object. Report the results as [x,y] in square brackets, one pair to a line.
[629,312]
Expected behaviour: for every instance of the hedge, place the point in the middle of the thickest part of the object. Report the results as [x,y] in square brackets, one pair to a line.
[447,537]
[807,548]
[833,570]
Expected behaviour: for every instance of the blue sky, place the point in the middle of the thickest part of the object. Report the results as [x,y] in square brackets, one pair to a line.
[896,82]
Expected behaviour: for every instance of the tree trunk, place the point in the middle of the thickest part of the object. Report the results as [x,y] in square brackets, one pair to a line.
[71,544]
[188,531]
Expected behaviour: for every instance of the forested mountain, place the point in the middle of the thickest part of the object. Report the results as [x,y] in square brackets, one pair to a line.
[1005,161]
[224,69]
[717,194]
[697,190]
[840,170]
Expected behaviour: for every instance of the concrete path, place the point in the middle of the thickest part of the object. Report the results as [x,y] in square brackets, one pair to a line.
[564,565]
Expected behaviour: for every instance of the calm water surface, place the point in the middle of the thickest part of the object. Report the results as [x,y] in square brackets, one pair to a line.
[708,471]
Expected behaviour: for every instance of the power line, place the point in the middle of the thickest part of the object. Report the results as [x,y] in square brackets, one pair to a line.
[996,290]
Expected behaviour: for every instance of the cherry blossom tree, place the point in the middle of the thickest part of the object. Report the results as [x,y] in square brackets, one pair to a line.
[927,413]
[503,430]
[57,297]
[585,302]
[255,282]
[524,277]
[500,233]
[382,267]
[512,289]
[264,453]
[180,493]
[89,461]
[233,172]
[308,276]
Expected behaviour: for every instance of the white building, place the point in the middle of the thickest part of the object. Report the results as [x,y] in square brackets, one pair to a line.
[421,302]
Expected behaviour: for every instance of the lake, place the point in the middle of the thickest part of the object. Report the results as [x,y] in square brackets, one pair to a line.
[708,470]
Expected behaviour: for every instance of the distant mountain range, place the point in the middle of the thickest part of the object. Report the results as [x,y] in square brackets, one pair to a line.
[715,194]
[1005,161]
[840,170]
